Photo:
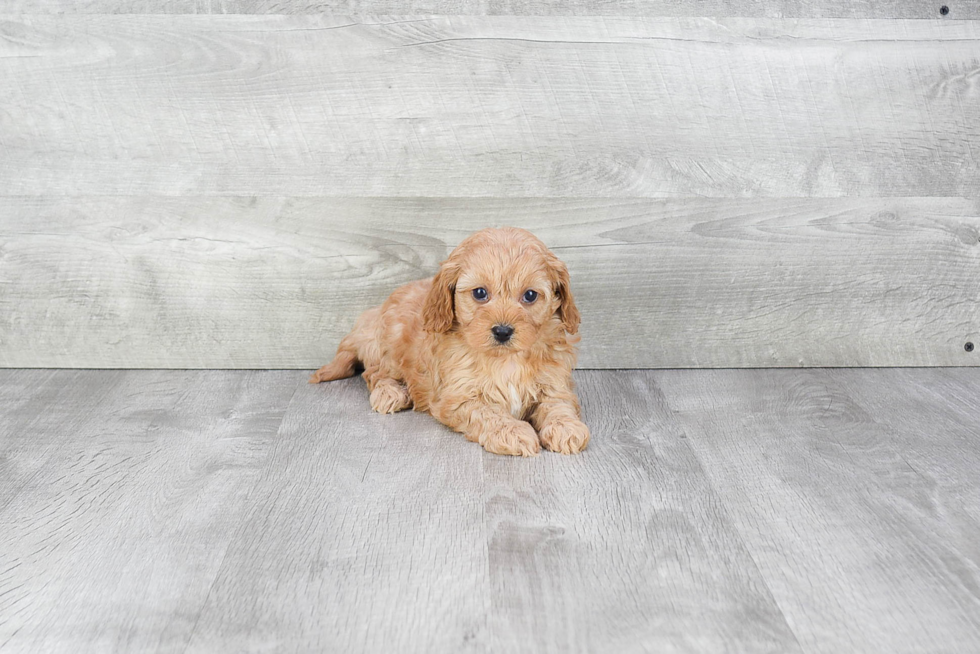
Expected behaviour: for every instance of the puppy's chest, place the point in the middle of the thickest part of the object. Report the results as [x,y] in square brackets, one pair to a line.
[515,388]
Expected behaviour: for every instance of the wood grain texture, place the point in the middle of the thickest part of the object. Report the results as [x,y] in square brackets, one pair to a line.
[366,534]
[276,282]
[712,8]
[34,402]
[934,413]
[625,548]
[112,542]
[854,505]
[395,534]
[740,510]
[488,106]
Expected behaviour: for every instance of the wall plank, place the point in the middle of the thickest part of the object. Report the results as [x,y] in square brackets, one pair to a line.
[275,282]
[717,8]
[229,191]
[488,106]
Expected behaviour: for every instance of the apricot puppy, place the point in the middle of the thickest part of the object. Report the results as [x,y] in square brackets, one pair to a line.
[487,347]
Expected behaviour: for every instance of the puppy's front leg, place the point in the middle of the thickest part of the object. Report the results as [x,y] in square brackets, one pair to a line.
[558,423]
[490,426]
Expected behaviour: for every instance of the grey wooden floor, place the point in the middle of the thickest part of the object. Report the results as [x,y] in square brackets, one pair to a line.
[752,510]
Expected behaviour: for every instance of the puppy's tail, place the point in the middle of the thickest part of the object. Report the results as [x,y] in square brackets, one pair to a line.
[344,364]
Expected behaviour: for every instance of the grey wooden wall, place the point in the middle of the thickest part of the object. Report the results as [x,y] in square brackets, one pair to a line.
[195,183]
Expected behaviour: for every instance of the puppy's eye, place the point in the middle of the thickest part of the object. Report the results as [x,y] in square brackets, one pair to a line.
[480,294]
[529,296]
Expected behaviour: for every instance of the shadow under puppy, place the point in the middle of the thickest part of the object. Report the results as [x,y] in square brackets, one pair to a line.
[487,347]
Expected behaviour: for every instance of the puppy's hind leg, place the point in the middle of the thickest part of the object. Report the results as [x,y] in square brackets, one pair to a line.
[360,346]
[389,396]
[344,364]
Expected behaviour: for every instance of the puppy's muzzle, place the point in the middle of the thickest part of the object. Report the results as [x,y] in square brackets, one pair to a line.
[502,332]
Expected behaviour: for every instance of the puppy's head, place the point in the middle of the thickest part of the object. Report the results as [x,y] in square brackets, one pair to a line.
[504,289]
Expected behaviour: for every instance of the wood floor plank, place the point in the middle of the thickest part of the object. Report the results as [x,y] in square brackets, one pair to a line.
[114,544]
[862,549]
[735,510]
[365,534]
[276,282]
[476,106]
[625,548]
[40,410]
[935,415]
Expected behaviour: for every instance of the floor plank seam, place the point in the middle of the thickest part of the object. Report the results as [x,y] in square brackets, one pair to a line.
[727,512]
[242,521]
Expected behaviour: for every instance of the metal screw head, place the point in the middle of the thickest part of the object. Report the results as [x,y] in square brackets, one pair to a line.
[944,10]
[968,347]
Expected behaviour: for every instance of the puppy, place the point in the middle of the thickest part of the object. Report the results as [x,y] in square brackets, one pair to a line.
[487,347]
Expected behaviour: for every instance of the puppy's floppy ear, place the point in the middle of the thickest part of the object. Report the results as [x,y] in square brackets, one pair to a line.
[567,310]
[438,312]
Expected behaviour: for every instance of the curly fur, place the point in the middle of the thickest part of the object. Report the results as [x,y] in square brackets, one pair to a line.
[430,346]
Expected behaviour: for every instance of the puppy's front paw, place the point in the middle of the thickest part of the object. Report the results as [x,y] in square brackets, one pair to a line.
[390,396]
[514,438]
[565,436]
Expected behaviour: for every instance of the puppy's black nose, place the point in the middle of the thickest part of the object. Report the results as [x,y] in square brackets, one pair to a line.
[502,332]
